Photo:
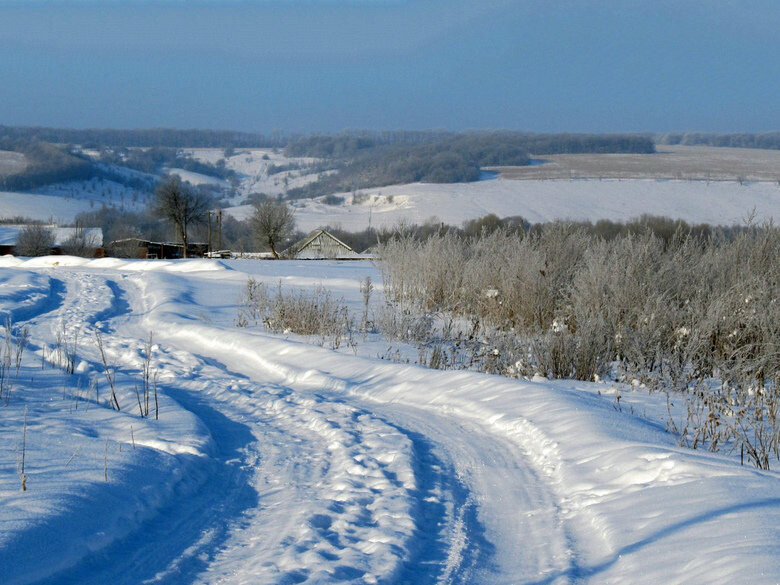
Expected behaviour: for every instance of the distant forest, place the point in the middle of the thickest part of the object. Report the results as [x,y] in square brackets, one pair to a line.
[361,158]
[170,137]
[490,147]
[49,163]
[321,145]
[767,140]
[367,160]
[151,160]
[46,164]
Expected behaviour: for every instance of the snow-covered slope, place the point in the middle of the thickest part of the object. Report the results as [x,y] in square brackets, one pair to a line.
[99,192]
[194,178]
[255,170]
[715,202]
[276,461]
[61,202]
[43,207]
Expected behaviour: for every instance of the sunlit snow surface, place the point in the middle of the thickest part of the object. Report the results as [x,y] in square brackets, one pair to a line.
[277,461]
[716,202]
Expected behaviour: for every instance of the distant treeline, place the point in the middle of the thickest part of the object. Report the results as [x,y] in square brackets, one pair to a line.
[97,137]
[366,160]
[664,228]
[588,143]
[151,160]
[494,145]
[46,164]
[768,140]
[237,235]
[351,142]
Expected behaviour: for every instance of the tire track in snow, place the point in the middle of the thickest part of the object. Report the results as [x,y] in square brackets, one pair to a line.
[549,548]
[333,507]
[443,547]
[26,299]
[368,498]
[448,543]
[118,307]
[510,505]
[450,480]
[190,524]
[559,543]
[80,300]
[179,541]
[457,469]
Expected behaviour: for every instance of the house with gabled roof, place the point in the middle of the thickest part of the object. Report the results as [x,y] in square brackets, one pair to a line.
[320,245]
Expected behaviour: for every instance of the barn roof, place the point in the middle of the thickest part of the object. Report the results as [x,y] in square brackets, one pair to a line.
[319,244]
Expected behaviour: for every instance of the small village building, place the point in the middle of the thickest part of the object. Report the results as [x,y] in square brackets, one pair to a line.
[90,237]
[146,249]
[321,245]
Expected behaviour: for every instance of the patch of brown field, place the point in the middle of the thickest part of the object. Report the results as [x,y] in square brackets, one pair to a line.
[11,163]
[702,163]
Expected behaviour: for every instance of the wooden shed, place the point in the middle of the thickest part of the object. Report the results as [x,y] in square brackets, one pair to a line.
[140,248]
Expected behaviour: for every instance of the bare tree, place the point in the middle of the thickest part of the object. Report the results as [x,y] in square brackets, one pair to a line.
[82,242]
[34,240]
[181,205]
[272,221]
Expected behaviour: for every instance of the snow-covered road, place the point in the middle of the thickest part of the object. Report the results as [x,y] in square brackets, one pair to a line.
[276,461]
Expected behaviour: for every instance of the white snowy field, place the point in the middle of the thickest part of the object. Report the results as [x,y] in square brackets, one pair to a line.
[62,202]
[194,178]
[55,208]
[277,461]
[714,202]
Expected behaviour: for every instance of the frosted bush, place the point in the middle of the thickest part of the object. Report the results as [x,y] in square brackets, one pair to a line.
[697,315]
[316,313]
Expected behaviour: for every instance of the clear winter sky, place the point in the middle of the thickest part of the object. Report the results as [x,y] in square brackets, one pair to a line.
[327,65]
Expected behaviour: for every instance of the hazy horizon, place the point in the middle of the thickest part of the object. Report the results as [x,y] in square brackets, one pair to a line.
[329,65]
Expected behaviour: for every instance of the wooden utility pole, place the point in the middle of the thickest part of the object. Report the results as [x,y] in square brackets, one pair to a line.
[219,227]
[210,249]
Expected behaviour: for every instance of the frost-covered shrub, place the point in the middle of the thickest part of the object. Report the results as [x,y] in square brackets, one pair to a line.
[316,313]
[81,242]
[405,324]
[692,314]
[428,272]
[34,240]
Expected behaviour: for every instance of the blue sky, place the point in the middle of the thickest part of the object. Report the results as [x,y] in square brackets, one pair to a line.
[580,66]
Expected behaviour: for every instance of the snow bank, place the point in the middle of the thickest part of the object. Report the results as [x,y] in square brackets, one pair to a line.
[92,474]
[184,266]
[23,294]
